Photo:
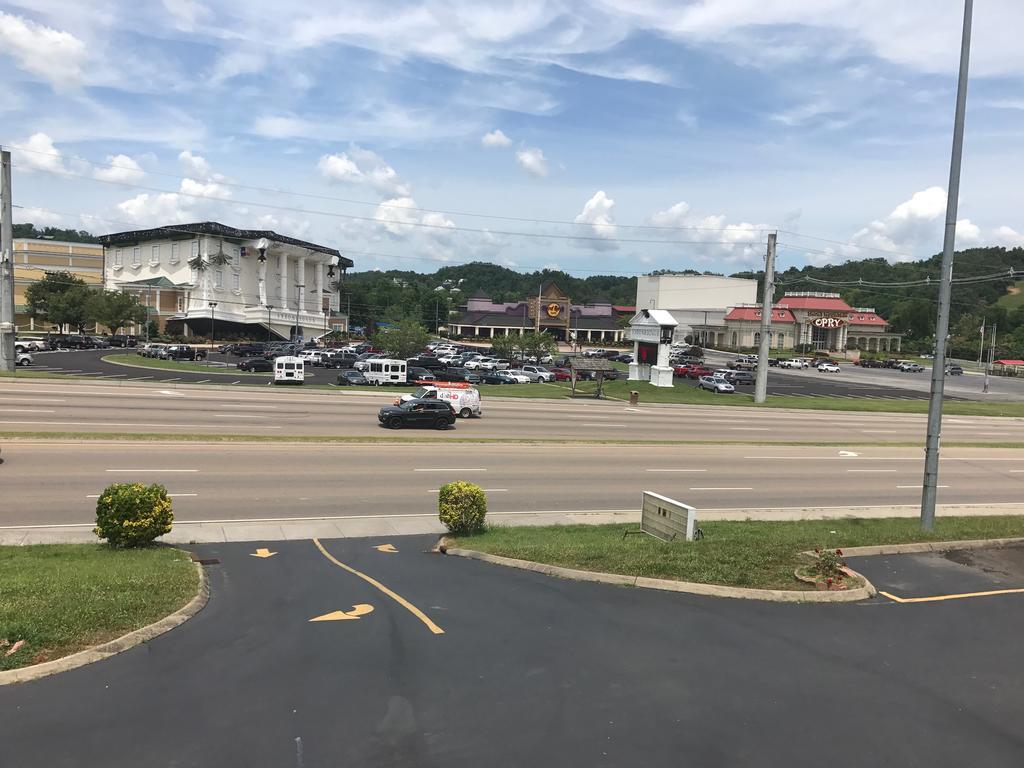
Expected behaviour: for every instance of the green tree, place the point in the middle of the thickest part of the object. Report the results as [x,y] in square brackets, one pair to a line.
[537,345]
[70,307]
[115,309]
[403,339]
[506,346]
[40,295]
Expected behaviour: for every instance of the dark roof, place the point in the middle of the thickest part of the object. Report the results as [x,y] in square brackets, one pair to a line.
[516,317]
[590,364]
[218,230]
[480,293]
[155,282]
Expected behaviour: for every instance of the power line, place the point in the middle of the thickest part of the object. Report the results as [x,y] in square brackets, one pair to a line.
[840,242]
[331,198]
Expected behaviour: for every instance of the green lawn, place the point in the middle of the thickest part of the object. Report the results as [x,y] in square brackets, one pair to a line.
[176,365]
[61,598]
[739,554]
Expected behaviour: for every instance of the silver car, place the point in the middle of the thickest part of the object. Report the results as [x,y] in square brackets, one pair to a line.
[716,384]
[23,358]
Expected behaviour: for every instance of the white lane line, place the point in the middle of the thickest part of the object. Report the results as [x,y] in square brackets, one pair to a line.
[603,425]
[204,381]
[920,486]
[27,410]
[1016,470]
[239,416]
[449,469]
[675,470]
[751,429]
[114,376]
[32,400]
[151,470]
[175,379]
[172,495]
[871,470]
[709,488]
[140,378]
[244,405]
[881,431]
[485,490]
[125,424]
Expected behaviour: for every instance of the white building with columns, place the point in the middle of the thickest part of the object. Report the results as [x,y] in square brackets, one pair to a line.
[208,278]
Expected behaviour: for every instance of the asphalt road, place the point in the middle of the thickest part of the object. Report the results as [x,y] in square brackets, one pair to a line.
[57,483]
[53,406]
[529,670]
[853,382]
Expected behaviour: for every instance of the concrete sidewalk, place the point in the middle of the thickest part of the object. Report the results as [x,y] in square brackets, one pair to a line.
[283,529]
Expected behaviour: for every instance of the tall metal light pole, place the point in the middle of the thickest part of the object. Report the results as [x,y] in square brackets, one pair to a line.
[213,327]
[764,346]
[269,308]
[931,457]
[7,329]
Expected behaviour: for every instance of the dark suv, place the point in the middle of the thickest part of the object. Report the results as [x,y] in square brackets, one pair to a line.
[123,340]
[417,413]
[184,352]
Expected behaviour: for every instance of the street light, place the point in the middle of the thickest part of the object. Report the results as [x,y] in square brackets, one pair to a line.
[269,308]
[213,334]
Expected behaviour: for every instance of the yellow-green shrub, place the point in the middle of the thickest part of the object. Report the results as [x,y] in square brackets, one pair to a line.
[133,514]
[462,507]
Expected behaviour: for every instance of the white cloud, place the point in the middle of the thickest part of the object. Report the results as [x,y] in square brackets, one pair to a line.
[186,13]
[194,165]
[361,167]
[1009,237]
[48,53]
[967,233]
[711,239]
[1005,104]
[191,187]
[284,225]
[674,216]
[39,153]
[911,224]
[38,216]
[154,210]
[597,220]
[531,160]
[495,138]
[119,168]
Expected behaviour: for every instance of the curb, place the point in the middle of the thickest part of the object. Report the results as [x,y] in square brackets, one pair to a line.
[927,546]
[670,585]
[112,647]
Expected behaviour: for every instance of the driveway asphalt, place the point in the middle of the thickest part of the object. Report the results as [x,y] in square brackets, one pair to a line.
[528,670]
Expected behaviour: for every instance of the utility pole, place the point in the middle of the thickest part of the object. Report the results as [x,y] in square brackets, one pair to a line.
[931,456]
[981,349]
[991,358]
[761,383]
[7,356]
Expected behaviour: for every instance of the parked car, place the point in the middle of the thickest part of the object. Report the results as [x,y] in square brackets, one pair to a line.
[417,413]
[77,342]
[561,374]
[123,340]
[352,377]
[363,362]
[867,362]
[696,371]
[954,370]
[28,345]
[247,350]
[537,373]
[496,377]
[183,352]
[828,367]
[343,360]
[517,375]
[737,378]
[416,373]
[680,370]
[716,384]
[819,360]
[23,358]
[100,342]
[745,363]
[911,368]
[795,362]
[256,365]
[624,358]
[148,350]
[457,374]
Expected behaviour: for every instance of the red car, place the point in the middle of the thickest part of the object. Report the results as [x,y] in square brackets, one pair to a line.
[561,374]
[681,370]
[696,371]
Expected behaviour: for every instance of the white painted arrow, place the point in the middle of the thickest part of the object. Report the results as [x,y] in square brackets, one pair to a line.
[847,453]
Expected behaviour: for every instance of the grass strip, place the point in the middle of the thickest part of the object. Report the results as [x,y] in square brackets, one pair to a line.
[62,598]
[155,363]
[761,555]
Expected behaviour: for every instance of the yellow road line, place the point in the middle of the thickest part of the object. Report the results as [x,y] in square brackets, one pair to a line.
[937,598]
[393,595]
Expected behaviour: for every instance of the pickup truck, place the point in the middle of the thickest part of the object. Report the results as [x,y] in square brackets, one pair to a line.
[793,363]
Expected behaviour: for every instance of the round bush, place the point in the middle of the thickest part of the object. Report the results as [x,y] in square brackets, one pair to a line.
[462,507]
[133,514]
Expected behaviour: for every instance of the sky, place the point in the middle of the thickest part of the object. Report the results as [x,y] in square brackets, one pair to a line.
[611,136]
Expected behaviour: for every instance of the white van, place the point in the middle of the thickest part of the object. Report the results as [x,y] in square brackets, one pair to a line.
[289,370]
[384,371]
[464,399]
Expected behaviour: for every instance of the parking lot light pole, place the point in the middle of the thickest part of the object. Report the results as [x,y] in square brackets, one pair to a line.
[931,456]
[213,326]
[270,307]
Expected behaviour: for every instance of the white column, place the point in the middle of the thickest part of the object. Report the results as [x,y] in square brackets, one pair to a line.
[282,289]
[662,373]
[300,281]
[318,280]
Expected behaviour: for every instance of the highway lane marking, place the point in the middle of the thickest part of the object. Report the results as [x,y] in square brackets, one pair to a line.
[246,405]
[1016,470]
[33,400]
[126,424]
[871,470]
[675,470]
[238,416]
[920,486]
[151,470]
[603,425]
[27,410]
[710,488]
[882,431]
[373,582]
[441,469]
[752,429]
[938,598]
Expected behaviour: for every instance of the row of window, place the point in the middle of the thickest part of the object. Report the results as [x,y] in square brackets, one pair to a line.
[135,254]
[218,279]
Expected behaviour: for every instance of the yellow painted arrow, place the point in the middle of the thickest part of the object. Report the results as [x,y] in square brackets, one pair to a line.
[385,548]
[358,610]
[262,552]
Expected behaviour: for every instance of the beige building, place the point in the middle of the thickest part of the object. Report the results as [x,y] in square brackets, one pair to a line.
[693,300]
[33,258]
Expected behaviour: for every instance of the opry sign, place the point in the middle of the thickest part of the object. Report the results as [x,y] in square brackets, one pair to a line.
[828,322]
